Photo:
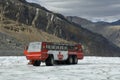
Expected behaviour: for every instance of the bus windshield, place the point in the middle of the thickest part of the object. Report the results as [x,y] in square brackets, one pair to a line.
[34,47]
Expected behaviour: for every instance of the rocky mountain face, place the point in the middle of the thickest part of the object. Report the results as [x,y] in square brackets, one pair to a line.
[12,32]
[109,30]
[35,20]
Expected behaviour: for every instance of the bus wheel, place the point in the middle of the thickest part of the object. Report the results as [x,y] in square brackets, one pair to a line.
[69,60]
[75,60]
[50,61]
[37,63]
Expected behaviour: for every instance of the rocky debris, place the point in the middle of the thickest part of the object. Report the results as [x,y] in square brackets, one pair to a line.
[9,43]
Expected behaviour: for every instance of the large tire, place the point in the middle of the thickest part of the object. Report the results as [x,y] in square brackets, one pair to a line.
[75,60]
[69,60]
[37,63]
[50,61]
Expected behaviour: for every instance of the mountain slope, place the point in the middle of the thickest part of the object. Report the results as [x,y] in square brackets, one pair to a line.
[93,26]
[39,18]
[109,30]
[112,33]
[22,33]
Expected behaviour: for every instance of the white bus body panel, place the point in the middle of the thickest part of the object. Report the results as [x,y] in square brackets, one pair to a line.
[56,53]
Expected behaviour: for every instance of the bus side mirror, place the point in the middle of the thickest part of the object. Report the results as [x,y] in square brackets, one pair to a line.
[26,48]
[76,49]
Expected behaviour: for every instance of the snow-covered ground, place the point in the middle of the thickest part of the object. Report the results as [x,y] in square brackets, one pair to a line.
[90,68]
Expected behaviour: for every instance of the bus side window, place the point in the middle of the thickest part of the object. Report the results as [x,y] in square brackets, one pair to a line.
[57,47]
[48,47]
[71,47]
[65,48]
[61,47]
[53,47]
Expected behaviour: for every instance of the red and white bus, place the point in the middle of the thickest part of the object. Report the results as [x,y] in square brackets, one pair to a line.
[52,53]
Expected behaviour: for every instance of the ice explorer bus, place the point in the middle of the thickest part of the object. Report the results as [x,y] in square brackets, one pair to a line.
[51,53]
